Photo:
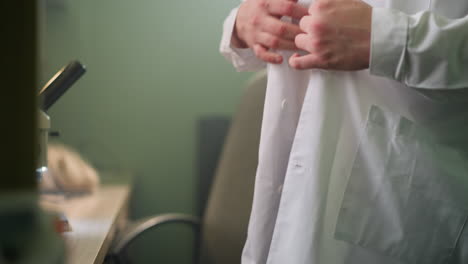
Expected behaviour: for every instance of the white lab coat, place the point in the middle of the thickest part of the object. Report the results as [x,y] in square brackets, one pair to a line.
[367,167]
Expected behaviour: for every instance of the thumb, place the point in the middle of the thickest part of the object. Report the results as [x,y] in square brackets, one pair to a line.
[309,61]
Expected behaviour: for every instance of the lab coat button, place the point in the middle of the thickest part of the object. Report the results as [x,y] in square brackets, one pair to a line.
[283,104]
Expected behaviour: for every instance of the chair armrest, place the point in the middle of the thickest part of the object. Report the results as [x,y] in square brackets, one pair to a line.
[139,227]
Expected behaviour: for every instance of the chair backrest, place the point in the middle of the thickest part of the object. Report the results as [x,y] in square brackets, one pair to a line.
[224,227]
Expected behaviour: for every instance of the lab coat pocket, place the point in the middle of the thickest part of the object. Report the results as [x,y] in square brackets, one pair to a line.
[406,195]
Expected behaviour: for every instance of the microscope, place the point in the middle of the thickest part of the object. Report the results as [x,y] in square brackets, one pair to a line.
[48,95]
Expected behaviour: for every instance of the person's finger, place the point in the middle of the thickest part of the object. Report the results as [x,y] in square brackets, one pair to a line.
[286,8]
[274,42]
[305,42]
[280,28]
[306,24]
[262,53]
[313,25]
[309,61]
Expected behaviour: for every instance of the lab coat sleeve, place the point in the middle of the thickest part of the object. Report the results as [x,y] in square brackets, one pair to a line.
[242,59]
[424,50]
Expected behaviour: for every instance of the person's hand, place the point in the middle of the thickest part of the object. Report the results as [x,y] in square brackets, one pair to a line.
[337,36]
[258,26]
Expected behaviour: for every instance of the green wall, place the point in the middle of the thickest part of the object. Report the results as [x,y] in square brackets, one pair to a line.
[153,70]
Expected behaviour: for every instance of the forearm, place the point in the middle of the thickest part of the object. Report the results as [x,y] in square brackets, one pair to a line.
[424,50]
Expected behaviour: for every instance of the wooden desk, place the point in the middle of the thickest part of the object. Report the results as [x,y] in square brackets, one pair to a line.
[94,220]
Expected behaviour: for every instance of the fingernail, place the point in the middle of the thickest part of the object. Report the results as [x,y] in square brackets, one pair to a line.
[293,63]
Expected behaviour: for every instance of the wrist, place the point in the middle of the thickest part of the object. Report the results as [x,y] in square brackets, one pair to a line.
[236,41]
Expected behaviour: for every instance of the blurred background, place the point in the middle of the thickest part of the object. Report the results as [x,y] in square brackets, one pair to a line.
[153,72]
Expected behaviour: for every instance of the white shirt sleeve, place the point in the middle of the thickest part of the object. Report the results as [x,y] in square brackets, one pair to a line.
[424,50]
[242,59]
